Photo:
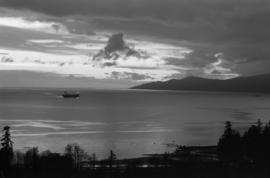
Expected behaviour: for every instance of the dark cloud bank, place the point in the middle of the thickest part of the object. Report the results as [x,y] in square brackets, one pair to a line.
[238,29]
[196,19]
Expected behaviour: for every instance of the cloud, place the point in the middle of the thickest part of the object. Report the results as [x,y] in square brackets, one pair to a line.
[115,43]
[46,27]
[192,20]
[204,63]
[6,59]
[115,48]
[131,76]
[45,41]
[180,36]
[198,58]
[136,55]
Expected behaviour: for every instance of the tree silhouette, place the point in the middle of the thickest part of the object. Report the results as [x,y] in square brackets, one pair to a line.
[31,158]
[93,160]
[76,154]
[112,158]
[6,152]
[253,142]
[266,143]
[230,145]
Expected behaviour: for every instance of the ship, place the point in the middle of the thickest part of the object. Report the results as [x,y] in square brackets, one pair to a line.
[70,95]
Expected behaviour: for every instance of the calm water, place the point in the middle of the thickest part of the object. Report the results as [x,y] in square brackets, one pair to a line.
[131,123]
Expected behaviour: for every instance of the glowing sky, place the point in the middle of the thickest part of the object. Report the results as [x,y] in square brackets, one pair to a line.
[172,39]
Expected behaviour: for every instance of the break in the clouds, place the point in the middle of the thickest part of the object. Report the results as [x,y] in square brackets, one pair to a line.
[159,39]
[21,23]
[47,44]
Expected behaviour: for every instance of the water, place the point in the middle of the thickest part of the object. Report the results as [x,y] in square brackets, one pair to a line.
[129,122]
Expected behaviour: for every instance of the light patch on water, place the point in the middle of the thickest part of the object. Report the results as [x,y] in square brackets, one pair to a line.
[48,124]
[55,133]
[37,124]
[147,131]
[40,128]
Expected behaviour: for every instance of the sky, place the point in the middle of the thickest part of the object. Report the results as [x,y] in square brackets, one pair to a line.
[121,43]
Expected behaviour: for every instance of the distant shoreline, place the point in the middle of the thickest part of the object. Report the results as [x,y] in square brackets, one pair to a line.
[258,94]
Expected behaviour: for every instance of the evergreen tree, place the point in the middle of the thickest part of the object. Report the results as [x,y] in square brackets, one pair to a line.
[230,145]
[6,152]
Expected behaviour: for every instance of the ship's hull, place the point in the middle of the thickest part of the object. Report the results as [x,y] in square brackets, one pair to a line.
[70,95]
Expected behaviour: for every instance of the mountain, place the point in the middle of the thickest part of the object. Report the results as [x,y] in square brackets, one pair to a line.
[256,84]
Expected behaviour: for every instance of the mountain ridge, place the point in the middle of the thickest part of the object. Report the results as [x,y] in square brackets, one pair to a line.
[254,84]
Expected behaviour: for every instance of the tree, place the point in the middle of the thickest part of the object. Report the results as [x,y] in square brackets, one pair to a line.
[6,152]
[93,160]
[230,148]
[31,158]
[253,142]
[76,154]
[54,162]
[19,158]
[266,143]
[112,158]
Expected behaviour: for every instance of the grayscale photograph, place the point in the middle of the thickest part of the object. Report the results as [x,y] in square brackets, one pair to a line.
[134,89]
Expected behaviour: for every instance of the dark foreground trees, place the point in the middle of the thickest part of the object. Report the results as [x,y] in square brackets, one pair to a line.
[244,156]
[230,146]
[75,155]
[253,146]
